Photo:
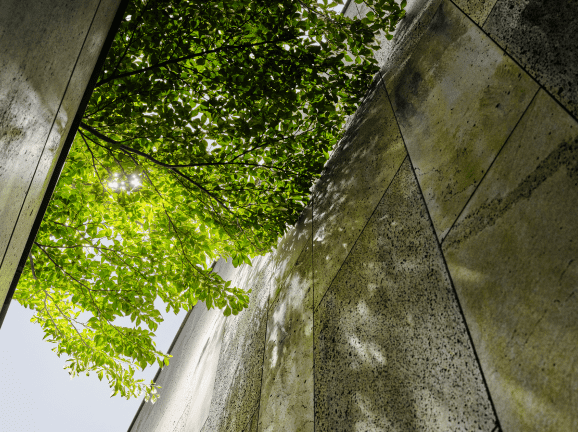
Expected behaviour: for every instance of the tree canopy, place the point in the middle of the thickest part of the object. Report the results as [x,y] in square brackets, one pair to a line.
[207,127]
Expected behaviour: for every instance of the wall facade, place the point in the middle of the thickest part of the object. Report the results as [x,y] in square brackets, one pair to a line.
[431,283]
[48,52]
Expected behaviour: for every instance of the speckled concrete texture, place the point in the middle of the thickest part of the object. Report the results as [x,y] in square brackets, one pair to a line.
[477,10]
[287,390]
[352,10]
[541,35]
[187,383]
[353,182]
[457,98]
[253,425]
[289,249]
[408,32]
[513,257]
[391,349]
[237,387]
[39,104]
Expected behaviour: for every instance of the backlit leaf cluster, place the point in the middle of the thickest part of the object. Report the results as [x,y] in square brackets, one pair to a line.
[208,125]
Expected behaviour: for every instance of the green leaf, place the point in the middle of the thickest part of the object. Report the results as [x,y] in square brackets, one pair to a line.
[250,127]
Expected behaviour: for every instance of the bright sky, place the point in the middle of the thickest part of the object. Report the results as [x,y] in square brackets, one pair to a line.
[37,395]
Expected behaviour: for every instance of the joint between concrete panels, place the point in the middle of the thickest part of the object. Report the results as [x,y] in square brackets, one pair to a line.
[497,425]
[313,306]
[489,168]
[258,409]
[511,57]
[49,134]
[355,242]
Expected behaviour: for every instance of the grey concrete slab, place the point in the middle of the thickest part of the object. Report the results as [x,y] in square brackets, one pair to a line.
[457,98]
[187,383]
[24,183]
[541,35]
[39,45]
[237,386]
[477,10]
[391,348]
[287,389]
[353,182]
[513,257]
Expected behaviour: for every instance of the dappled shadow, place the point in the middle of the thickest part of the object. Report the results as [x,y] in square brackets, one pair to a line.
[238,379]
[391,350]
[353,181]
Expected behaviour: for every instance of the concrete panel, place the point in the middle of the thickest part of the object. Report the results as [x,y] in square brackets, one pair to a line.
[457,98]
[352,184]
[352,10]
[477,10]
[391,349]
[287,389]
[43,168]
[187,383]
[541,35]
[513,257]
[237,386]
[289,249]
[48,50]
[418,14]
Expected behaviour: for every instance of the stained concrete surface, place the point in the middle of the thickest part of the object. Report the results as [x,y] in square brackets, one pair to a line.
[391,348]
[287,388]
[457,98]
[513,257]
[238,378]
[48,51]
[477,10]
[253,425]
[362,166]
[388,344]
[541,35]
[409,31]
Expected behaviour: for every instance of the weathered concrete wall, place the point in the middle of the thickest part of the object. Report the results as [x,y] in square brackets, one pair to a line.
[431,284]
[48,51]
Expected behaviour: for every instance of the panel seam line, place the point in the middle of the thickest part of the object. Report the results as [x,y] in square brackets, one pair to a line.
[511,57]
[48,136]
[497,420]
[489,168]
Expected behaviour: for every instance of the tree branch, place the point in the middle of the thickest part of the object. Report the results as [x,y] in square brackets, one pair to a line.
[189,57]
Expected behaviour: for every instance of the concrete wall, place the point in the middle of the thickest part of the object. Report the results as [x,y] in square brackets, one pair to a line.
[48,51]
[431,284]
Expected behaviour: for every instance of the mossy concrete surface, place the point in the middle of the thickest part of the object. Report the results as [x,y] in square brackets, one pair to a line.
[431,283]
[457,98]
[409,31]
[287,389]
[541,35]
[513,256]
[47,55]
[391,349]
[477,10]
[362,166]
